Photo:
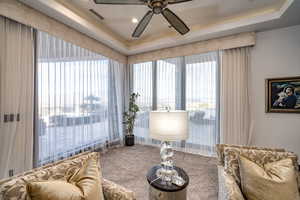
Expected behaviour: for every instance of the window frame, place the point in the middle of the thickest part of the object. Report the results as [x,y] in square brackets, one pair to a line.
[181,76]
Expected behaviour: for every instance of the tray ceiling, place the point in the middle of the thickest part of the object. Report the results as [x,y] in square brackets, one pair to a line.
[206,18]
[196,12]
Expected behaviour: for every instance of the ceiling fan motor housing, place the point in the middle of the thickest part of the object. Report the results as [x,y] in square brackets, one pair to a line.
[157,6]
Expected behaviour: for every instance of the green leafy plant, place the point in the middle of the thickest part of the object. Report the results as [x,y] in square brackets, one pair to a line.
[130,115]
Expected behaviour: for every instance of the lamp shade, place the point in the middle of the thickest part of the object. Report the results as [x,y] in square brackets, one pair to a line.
[168,125]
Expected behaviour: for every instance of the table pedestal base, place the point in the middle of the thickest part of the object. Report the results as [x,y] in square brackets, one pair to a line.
[155,194]
[159,190]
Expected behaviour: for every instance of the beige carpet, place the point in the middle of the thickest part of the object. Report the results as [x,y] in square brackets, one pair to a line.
[128,166]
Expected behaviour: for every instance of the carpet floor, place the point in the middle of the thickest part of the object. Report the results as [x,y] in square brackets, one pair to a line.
[128,167]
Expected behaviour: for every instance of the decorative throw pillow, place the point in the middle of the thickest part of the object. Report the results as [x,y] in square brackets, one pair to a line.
[221,147]
[54,190]
[260,157]
[273,181]
[84,184]
[88,180]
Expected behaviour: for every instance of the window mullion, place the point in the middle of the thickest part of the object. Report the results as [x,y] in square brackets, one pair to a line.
[183,83]
[154,85]
[180,84]
[218,84]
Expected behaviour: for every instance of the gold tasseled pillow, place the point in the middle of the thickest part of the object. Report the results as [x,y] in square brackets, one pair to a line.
[84,184]
[273,181]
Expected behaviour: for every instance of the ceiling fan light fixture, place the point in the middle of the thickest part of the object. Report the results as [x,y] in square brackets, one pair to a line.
[157,6]
[157,10]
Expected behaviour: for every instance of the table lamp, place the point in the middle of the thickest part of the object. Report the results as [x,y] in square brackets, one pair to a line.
[168,126]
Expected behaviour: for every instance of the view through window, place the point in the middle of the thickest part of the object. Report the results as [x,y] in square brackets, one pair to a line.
[72,99]
[142,74]
[197,93]
[201,101]
[166,84]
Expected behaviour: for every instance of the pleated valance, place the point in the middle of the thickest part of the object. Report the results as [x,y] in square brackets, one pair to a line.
[228,42]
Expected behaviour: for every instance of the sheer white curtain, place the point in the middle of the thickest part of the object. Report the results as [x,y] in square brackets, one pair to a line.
[16,97]
[188,83]
[168,83]
[236,123]
[142,77]
[78,99]
[156,83]
[202,102]
[116,72]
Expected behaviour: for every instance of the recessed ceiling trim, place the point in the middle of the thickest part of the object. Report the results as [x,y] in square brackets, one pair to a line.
[285,6]
[66,15]
[166,39]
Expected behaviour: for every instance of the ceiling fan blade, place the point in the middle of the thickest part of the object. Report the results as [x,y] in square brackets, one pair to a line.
[142,24]
[121,2]
[177,1]
[175,21]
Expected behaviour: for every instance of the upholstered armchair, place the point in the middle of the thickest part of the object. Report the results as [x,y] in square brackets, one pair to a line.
[15,187]
[228,166]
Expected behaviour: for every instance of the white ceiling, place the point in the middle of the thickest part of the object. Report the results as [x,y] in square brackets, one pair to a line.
[196,12]
[206,18]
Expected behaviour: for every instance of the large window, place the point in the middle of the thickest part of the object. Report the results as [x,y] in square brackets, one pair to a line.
[202,101]
[188,83]
[73,99]
[166,83]
[142,75]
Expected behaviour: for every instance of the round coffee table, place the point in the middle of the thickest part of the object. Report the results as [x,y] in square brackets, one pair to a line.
[158,190]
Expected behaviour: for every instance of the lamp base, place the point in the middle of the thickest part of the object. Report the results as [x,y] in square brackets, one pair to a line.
[167,173]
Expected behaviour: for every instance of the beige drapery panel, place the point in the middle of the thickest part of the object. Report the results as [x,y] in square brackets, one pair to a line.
[235,117]
[16,96]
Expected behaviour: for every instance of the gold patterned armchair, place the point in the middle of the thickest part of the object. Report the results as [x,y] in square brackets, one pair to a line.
[14,188]
[228,166]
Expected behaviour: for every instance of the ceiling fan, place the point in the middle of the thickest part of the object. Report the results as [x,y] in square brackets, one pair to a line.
[157,7]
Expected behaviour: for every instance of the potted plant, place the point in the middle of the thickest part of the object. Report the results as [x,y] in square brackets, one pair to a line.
[129,119]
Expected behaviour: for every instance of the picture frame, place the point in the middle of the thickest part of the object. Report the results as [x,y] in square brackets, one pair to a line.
[282,95]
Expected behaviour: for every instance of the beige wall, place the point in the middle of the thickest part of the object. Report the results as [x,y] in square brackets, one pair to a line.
[276,54]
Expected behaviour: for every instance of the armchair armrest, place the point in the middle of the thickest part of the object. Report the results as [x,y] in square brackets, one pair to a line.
[228,188]
[299,181]
[113,191]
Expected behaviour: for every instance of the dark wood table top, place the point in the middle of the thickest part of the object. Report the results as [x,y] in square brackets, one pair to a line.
[160,185]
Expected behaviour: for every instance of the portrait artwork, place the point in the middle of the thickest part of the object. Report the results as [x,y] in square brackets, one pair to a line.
[283,95]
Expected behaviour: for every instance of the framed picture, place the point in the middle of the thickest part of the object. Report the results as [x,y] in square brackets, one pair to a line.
[283,95]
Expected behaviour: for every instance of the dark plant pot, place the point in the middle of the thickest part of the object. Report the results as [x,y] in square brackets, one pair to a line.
[129,140]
